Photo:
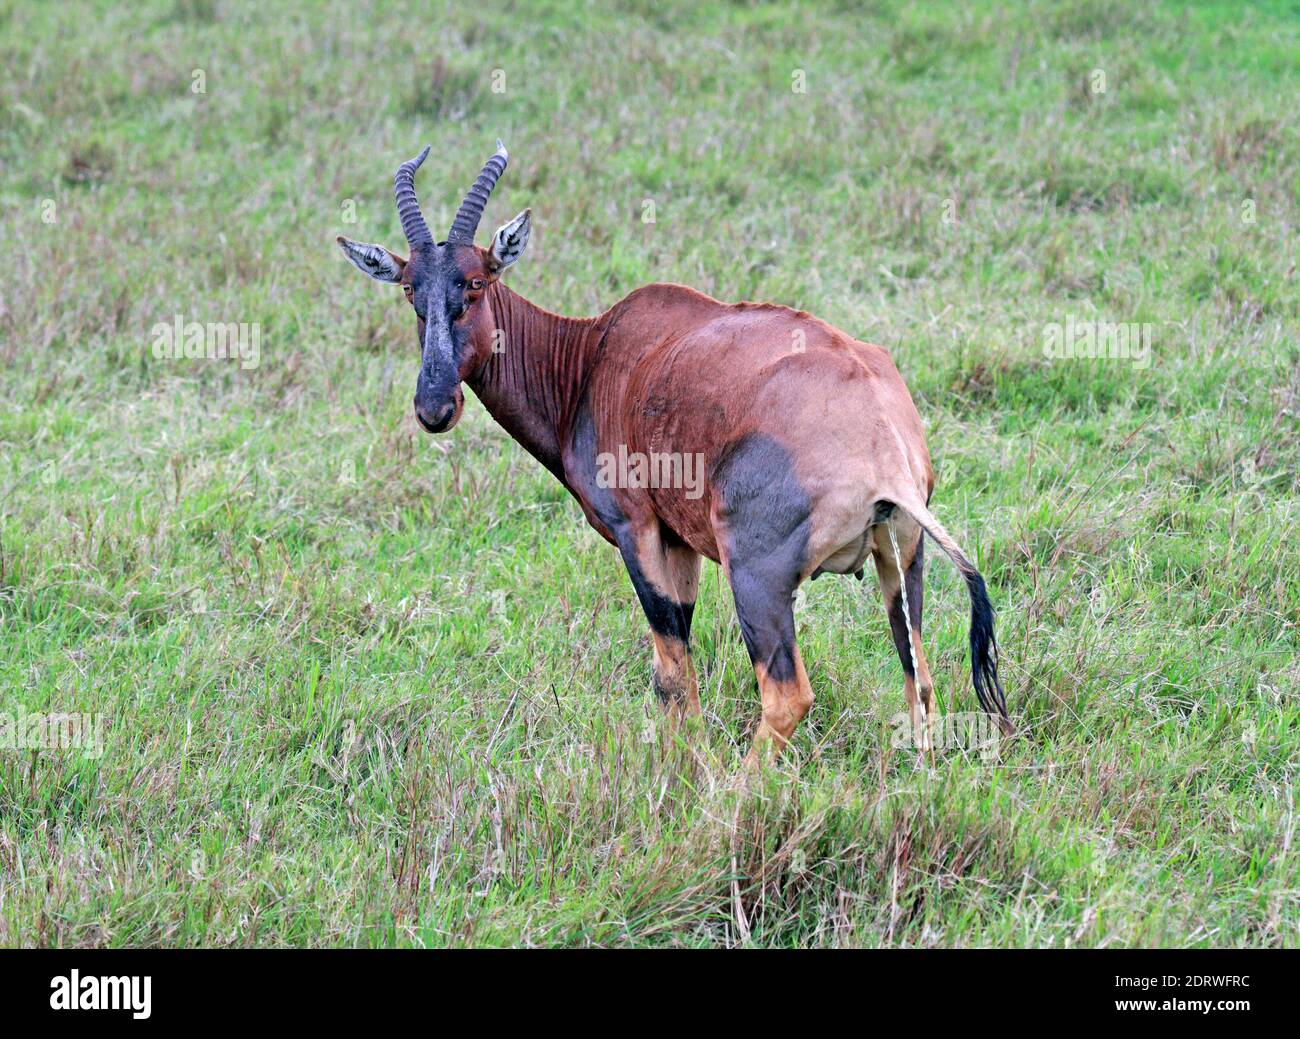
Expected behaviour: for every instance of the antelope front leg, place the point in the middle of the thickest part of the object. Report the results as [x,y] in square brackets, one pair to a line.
[674,678]
[667,579]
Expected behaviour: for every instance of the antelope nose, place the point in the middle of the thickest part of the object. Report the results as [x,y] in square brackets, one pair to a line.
[434,419]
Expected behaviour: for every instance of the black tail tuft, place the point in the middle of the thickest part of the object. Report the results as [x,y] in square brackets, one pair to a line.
[983,644]
[984,651]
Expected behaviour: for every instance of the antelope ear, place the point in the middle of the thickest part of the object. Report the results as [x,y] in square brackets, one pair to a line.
[374,260]
[509,242]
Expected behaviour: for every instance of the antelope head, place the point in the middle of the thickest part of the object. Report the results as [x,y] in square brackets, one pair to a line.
[447,285]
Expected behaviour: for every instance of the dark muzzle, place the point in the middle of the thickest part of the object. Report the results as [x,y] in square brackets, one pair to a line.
[437,409]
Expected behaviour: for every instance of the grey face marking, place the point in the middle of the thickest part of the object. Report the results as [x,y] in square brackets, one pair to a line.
[437,346]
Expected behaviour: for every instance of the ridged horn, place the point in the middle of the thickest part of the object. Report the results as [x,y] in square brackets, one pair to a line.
[408,206]
[471,210]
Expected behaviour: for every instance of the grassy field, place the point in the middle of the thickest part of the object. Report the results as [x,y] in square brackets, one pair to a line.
[363,686]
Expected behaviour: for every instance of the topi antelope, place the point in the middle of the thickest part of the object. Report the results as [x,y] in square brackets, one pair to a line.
[812,451]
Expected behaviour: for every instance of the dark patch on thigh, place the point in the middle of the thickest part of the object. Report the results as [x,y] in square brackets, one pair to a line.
[767,519]
[767,512]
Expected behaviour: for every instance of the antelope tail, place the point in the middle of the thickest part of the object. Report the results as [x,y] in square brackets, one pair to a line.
[983,643]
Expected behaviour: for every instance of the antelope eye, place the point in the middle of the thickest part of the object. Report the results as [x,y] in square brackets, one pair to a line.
[476,284]
[410,293]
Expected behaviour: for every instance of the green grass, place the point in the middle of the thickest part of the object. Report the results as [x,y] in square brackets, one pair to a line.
[364,686]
